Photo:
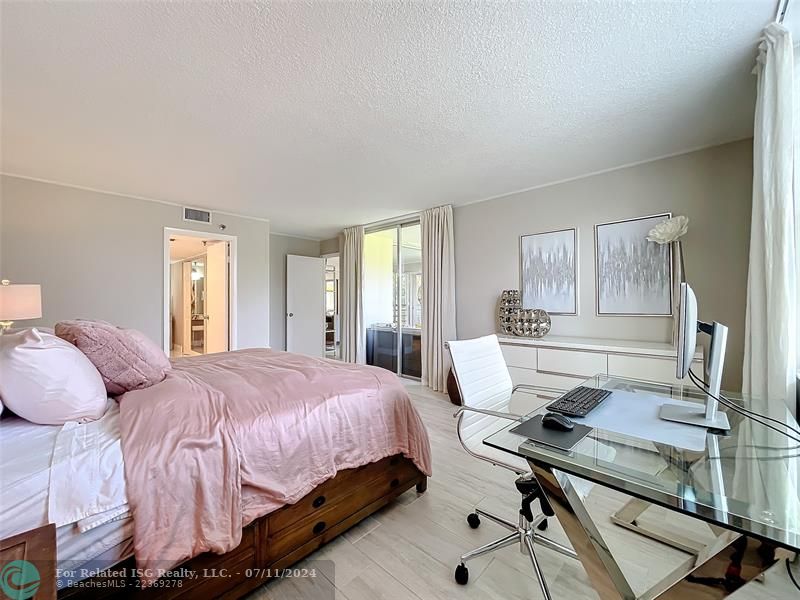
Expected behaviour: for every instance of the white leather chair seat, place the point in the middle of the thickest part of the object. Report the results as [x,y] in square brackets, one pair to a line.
[484,383]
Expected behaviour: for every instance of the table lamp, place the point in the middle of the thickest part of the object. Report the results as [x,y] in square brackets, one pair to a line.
[18,302]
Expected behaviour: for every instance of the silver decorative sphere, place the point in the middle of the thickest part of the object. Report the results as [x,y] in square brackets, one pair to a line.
[512,319]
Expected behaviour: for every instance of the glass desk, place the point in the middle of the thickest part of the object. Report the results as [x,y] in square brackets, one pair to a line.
[745,484]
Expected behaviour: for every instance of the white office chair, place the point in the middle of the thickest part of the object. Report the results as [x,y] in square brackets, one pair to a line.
[485,387]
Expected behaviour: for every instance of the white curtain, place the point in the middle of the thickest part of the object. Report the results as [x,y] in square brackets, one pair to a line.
[438,294]
[771,336]
[352,284]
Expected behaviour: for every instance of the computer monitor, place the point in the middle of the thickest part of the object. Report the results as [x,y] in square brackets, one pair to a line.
[688,326]
[687,330]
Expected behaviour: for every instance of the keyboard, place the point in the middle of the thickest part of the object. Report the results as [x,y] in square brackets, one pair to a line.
[579,402]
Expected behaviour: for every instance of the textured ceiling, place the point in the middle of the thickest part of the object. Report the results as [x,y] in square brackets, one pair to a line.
[318,115]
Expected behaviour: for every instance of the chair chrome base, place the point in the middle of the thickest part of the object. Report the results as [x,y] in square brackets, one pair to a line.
[525,534]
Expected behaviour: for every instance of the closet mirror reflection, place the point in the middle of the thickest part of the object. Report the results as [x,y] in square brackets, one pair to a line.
[198,321]
[393,298]
[198,289]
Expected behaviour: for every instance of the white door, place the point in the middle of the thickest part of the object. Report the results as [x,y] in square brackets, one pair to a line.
[305,305]
[216,301]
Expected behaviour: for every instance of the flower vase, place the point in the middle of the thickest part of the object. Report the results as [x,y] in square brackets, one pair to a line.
[679,277]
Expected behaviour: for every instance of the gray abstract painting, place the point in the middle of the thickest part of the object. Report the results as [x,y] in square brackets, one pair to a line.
[633,275]
[548,271]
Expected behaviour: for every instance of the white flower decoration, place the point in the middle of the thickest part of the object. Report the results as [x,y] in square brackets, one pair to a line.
[669,231]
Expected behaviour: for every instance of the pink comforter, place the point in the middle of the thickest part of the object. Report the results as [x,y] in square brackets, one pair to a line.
[229,437]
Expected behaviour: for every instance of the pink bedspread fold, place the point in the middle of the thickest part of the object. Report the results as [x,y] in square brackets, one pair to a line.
[229,437]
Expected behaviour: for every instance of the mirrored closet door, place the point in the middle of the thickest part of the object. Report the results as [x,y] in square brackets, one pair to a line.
[393,298]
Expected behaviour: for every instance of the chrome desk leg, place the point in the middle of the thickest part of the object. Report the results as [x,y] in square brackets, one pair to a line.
[693,579]
[715,567]
[627,515]
[633,509]
[605,574]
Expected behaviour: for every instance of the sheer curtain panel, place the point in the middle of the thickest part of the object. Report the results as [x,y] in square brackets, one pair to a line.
[771,335]
[438,294]
[352,282]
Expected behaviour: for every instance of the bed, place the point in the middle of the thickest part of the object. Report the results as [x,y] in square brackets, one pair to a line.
[40,463]
[313,447]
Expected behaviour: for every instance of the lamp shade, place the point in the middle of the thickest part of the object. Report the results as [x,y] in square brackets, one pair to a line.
[19,302]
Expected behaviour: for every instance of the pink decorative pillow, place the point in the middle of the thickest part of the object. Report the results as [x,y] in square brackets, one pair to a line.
[126,359]
[46,380]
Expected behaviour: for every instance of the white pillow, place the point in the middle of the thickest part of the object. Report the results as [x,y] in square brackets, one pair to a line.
[47,380]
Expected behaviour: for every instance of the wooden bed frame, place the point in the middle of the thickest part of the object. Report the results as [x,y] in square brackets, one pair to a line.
[274,541]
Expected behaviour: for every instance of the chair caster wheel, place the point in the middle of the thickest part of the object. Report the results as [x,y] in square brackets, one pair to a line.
[542,526]
[474,520]
[462,574]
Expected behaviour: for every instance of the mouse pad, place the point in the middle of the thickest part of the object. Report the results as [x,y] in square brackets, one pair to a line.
[563,440]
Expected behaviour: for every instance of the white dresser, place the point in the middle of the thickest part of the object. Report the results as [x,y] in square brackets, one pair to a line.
[562,362]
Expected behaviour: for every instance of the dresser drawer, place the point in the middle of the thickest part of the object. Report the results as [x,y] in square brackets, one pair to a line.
[526,376]
[570,362]
[519,356]
[647,368]
[563,383]
[557,382]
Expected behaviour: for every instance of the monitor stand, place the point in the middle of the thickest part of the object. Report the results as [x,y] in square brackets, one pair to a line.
[694,416]
[709,416]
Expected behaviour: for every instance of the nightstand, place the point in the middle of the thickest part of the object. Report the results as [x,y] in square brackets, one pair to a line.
[32,554]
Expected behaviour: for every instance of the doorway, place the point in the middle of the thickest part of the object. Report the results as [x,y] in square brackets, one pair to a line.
[199,299]
[393,298]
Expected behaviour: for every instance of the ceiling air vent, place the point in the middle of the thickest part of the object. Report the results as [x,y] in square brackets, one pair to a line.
[196,215]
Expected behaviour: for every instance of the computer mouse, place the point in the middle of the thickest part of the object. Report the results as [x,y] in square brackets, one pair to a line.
[557,421]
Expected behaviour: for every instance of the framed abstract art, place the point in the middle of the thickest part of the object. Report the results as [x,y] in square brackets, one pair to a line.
[548,271]
[633,275]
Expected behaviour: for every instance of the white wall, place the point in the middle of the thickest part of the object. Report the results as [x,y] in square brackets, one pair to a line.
[329,246]
[101,256]
[279,247]
[712,187]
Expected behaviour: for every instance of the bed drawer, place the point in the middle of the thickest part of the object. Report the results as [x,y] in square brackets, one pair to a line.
[334,490]
[317,519]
